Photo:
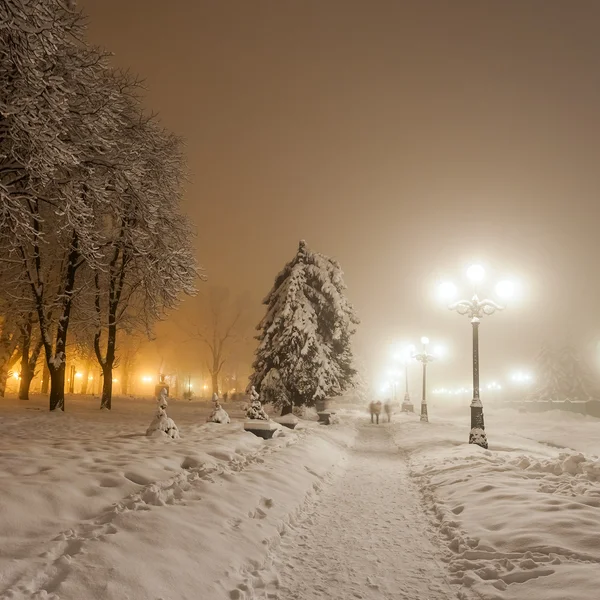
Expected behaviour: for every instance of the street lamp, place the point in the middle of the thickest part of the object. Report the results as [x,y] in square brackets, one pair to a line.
[475,309]
[406,356]
[424,358]
[394,382]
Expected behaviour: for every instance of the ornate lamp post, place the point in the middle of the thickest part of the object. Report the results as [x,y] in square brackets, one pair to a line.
[475,309]
[394,383]
[407,405]
[424,358]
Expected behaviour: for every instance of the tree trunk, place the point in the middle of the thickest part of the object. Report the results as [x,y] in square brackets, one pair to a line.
[57,387]
[3,380]
[215,382]
[25,384]
[28,361]
[26,374]
[45,379]
[106,401]
[8,356]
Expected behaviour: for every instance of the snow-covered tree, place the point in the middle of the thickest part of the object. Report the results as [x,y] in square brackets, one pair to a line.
[255,410]
[577,378]
[548,375]
[87,183]
[162,424]
[219,414]
[304,354]
[58,108]
[220,321]
[562,375]
[150,261]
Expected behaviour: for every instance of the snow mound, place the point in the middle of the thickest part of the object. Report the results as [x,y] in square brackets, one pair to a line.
[289,419]
[218,415]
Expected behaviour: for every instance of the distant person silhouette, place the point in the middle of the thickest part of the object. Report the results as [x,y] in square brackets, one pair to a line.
[387,406]
[375,410]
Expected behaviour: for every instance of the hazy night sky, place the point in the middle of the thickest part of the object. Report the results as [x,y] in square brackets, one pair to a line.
[406,139]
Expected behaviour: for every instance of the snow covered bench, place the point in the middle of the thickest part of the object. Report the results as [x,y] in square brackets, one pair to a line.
[290,420]
[326,417]
[260,428]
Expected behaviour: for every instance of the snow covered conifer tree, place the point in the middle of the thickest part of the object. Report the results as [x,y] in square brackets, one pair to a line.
[304,353]
[549,375]
[219,414]
[163,424]
[255,410]
[578,381]
[562,375]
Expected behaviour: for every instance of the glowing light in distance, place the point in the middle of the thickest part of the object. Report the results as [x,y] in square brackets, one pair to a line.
[424,340]
[78,375]
[521,377]
[447,290]
[476,273]
[16,375]
[115,380]
[505,289]
[205,387]
[146,378]
[90,378]
[439,351]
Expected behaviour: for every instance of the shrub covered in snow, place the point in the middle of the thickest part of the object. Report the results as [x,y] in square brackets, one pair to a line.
[218,415]
[163,424]
[255,410]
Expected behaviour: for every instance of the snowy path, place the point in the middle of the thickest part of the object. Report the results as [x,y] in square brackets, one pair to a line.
[367,538]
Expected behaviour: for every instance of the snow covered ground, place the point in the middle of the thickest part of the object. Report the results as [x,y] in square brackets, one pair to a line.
[521,520]
[92,508]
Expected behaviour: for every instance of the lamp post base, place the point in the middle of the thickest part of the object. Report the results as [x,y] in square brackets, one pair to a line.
[407,405]
[424,417]
[477,434]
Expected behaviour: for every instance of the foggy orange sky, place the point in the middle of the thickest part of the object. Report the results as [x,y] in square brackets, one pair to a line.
[406,139]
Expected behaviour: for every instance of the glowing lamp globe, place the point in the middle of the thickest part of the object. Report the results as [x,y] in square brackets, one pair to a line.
[476,273]
[424,340]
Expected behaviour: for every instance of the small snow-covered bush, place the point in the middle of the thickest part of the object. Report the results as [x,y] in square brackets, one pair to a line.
[255,410]
[162,423]
[218,415]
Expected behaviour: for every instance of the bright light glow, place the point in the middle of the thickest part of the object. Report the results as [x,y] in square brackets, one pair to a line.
[393,373]
[16,375]
[505,289]
[146,378]
[476,273]
[522,377]
[447,290]
[90,378]
[439,351]
[424,340]
[205,387]
[115,380]
[78,375]
[494,386]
